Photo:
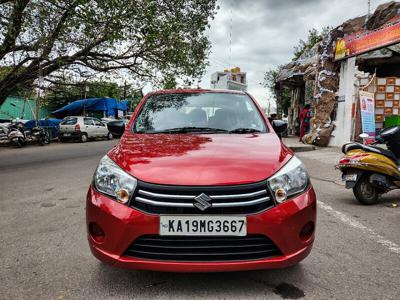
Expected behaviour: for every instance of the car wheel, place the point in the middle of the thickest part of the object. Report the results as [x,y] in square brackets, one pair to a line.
[84,138]
[365,192]
[110,136]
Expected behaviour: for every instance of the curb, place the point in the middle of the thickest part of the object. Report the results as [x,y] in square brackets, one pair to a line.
[303,148]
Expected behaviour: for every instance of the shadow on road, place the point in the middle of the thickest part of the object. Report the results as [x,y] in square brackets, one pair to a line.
[185,285]
[384,200]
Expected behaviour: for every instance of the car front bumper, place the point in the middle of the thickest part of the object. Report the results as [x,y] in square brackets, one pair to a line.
[122,225]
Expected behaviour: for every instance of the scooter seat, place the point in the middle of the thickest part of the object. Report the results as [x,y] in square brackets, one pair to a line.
[356,146]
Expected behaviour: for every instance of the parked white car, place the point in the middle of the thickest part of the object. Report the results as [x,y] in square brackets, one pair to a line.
[82,129]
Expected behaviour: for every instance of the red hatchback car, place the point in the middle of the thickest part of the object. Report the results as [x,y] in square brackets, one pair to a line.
[200,182]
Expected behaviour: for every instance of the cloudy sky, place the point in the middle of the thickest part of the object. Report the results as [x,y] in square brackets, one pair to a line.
[264,33]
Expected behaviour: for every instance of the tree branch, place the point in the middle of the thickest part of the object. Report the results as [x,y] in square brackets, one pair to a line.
[14,27]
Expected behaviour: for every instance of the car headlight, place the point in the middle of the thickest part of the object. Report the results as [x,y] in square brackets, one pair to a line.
[110,179]
[291,180]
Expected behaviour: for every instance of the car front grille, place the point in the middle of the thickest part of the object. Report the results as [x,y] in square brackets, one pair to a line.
[184,248]
[234,199]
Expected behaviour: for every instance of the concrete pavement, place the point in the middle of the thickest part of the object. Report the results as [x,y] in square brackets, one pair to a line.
[44,253]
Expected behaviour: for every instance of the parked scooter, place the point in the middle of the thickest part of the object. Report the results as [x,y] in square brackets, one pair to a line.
[16,134]
[3,132]
[40,135]
[370,170]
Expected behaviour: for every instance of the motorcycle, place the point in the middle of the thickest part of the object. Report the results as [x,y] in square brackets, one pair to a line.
[40,135]
[16,134]
[370,170]
[3,133]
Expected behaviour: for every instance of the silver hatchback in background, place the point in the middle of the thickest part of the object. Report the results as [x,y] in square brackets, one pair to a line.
[82,128]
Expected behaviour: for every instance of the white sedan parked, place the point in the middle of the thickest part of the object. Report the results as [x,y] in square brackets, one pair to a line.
[82,129]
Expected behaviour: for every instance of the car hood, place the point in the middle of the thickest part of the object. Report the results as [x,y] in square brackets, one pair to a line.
[200,159]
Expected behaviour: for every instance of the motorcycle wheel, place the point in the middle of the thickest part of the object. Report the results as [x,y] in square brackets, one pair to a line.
[18,143]
[41,141]
[366,193]
[47,139]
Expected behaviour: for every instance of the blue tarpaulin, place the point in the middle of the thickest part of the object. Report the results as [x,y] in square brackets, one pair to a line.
[53,125]
[109,105]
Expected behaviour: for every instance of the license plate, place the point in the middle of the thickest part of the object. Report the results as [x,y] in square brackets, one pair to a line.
[203,226]
[349,177]
[67,134]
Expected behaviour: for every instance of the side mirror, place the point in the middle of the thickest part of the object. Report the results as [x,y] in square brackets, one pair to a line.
[279,126]
[117,127]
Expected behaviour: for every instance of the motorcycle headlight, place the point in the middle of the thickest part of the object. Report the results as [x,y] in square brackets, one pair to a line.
[291,180]
[110,179]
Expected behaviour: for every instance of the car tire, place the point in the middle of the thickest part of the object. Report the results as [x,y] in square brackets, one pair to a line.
[110,136]
[365,192]
[84,138]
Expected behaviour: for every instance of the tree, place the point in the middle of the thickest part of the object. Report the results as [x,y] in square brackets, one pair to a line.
[281,95]
[169,83]
[314,37]
[152,39]
[66,90]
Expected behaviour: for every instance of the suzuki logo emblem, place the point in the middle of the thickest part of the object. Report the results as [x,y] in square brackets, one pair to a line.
[202,202]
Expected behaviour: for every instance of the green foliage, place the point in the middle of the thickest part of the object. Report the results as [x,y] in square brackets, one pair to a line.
[270,77]
[314,37]
[151,39]
[4,71]
[285,99]
[61,93]
[169,83]
[281,95]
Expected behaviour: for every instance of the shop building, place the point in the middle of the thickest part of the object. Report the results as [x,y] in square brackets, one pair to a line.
[358,63]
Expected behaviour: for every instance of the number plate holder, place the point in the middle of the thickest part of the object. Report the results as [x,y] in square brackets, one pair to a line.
[203,225]
[349,177]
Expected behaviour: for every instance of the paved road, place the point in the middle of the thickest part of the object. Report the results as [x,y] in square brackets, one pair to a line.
[44,253]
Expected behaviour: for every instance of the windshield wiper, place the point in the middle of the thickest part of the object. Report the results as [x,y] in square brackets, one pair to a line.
[244,130]
[190,129]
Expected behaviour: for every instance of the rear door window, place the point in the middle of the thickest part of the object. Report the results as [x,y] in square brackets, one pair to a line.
[87,121]
[69,121]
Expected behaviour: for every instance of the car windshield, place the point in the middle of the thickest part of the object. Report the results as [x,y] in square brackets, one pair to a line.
[199,112]
[69,121]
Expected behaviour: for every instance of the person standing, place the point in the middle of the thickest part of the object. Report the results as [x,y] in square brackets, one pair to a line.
[272,117]
[305,119]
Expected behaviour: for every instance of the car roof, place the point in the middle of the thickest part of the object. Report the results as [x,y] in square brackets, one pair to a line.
[79,117]
[192,91]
